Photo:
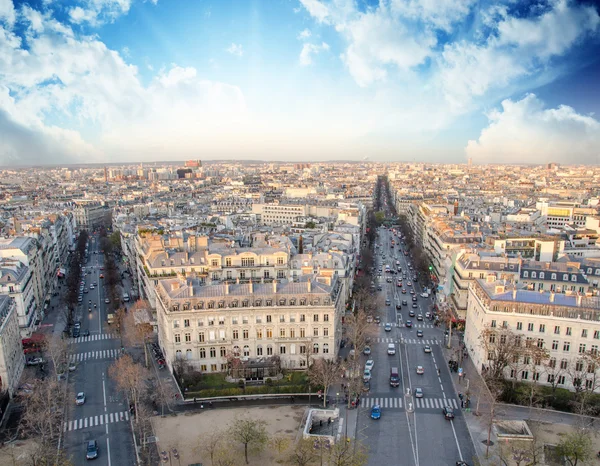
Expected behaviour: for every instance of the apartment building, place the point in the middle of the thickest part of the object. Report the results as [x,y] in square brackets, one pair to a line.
[560,214]
[539,248]
[88,214]
[558,277]
[207,323]
[16,281]
[12,360]
[568,326]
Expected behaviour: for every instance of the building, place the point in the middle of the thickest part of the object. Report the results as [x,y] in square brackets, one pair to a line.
[568,326]
[88,214]
[16,281]
[558,277]
[206,324]
[12,360]
[539,248]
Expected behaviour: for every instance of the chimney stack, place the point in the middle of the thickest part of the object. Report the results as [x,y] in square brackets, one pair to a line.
[309,285]
[226,288]
[274,286]
[514,294]
[552,296]
[579,299]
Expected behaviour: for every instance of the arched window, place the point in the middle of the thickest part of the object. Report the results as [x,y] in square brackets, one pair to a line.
[178,354]
[325,348]
[213,352]
[236,350]
[316,348]
[188,354]
[246,351]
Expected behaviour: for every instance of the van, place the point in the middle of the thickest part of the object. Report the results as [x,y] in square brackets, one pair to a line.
[394,377]
[391,349]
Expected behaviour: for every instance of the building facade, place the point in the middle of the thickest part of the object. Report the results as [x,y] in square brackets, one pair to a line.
[12,360]
[16,281]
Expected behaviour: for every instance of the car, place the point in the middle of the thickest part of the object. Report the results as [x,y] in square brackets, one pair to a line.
[86,333]
[448,412]
[398,306]
[72,366]
[408,324]
[428,315]
[85,291]
[80,399]
[77,325]
[418,392]
[409,283]
[404,302]
[79,298]
[391,350]
[399,285]
[75,333]
[90,301]
[352,353]
[411,313]
[420,333]
[106,300]
[366,375]
[427,349]
[388,302]
[412,292]
[403,291]
[420,317]
[34,361]
[414,298]
[92,287]
[420,370]
[101,276]
[367,351]
[377,319]
[388,280]
[388,327]
[369,364]
[379,287]
[92,450]
[376,412]
[415,305]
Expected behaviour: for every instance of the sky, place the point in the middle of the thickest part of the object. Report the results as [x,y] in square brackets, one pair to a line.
[110,81]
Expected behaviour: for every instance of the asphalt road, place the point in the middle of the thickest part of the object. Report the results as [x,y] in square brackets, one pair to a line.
[105,415]
[411,431]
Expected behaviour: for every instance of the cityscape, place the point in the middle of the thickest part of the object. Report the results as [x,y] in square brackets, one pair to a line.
[299,232]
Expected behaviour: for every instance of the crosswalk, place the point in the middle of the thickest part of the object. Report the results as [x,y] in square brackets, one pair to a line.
[397,402]
[91,421]
[103,336]
[408,341]
[101,354]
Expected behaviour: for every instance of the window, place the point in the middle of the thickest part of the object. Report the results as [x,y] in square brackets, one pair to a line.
[554,345]
[247,262]
[493,325]
[589,384]
[316,348]
[550,378]
[201,337]
[525,274]
[269,333]
[269,350]
[542,275]
[519,325]
[552,363]
[591,368]
[259,350]
[246,351]
[228,261]
[325,348]
[524,375]
[566,346]
[186,322]
[597,332]
[518,340]
[530,327]
[281,333]
[236,335]
[502,339]
[213,352]
[490,355]
[553,276]
[326,332]
[573,278]
[188,337]
[258,320]
[258,333]
[504,324]
[315,332]
[533,275]
[177,338]
[202,353]
[492,338]
[302,318]
[282,349]
[579,366]
[540,343]
[535,376]
[561,380]
[234,321]
[280,261]
[175,324]
[302,333]
[582,348]
[211,321]
[563,364]
[188,354]
[282,319]
[213,368]
[292,333]
[178,354]
[584,333]
[557,330]
[594,350]
[568,331]
[244,320]
[214,263]
[315,317]
[245,334]
[542,328]
[222,351]
[268,319]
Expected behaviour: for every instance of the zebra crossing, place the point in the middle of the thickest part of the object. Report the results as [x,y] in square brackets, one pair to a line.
[92,421]
[396,403]
[411,341]
[101,354]
[103,336]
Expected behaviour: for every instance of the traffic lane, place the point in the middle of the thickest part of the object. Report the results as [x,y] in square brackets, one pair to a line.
[435,439]
[76,445]
[429,380]
[120,439]
[380,382]
[386,438]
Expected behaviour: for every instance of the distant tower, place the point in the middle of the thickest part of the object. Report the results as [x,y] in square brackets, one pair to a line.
[106,175]
[470,163]
[456,205]
[300,245]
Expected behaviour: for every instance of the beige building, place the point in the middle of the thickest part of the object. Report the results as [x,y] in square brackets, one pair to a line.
[205,324]
[568,326]
[12,360]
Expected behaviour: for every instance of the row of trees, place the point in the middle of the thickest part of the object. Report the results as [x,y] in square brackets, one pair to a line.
[73,279]
[251,437]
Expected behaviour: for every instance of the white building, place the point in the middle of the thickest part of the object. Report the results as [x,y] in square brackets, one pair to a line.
[16,281]
[12,360]
[568,326]
[204,324]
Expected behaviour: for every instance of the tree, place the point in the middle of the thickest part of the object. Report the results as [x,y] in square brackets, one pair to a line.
[575,447]
[303,454]
[501,345]
[251,433]
[43,411]
[137,329]
[129,377]
[56,350]
[209,444]
[280,443]
[348,453]
[325,373]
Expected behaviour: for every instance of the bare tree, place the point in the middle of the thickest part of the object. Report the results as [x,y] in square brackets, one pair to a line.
[129,378]
[502,346]
[209,444]
[43,411]
[57,351]
[303,454]
[324,372]
[348,453]
[250,433]
[137,329]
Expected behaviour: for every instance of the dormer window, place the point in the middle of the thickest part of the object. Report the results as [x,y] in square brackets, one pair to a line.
[533,275]
[258,303]
[221,304]
[282,302]
[302,301]
[542,275]
[211,304]
[565,276]
[525,274]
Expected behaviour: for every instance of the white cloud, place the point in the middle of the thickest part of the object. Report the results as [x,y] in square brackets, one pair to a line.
[439,13]
[303,35]
[520,47]
[78,15]
[97,12]
[236,49]
[308,50]
[527,132]
[7,12]
[316,9]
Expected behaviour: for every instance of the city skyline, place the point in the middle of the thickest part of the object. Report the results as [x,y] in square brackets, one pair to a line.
[116,81]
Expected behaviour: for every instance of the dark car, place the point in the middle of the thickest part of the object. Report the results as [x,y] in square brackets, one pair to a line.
[420,333]
[448,412]
[409,324]
[92,450]
[398,306]
[404,302]
[75,333]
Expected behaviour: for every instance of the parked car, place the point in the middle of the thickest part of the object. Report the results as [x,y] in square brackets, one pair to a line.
[34,361]
[367,350]
[366,375]
[369,364]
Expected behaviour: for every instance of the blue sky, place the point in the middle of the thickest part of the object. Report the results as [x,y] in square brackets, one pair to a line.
[391,80]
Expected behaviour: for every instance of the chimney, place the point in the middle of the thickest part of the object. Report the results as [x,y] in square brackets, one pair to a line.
[309,285]
[251,287]
[226,287]
[300,245]
[547,265]
[191,289]
[514,294]
[552,296]
[274,286]
[579,298]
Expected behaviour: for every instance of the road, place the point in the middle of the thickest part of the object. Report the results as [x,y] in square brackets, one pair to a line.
[411,431]
[105,416]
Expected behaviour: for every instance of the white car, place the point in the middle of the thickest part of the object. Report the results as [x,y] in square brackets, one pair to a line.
[427,349]
[420,370]
[418,392]
[80,399]
[367,375]
[369,365]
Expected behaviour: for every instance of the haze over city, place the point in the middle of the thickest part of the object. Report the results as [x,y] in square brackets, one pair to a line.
[109,81]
